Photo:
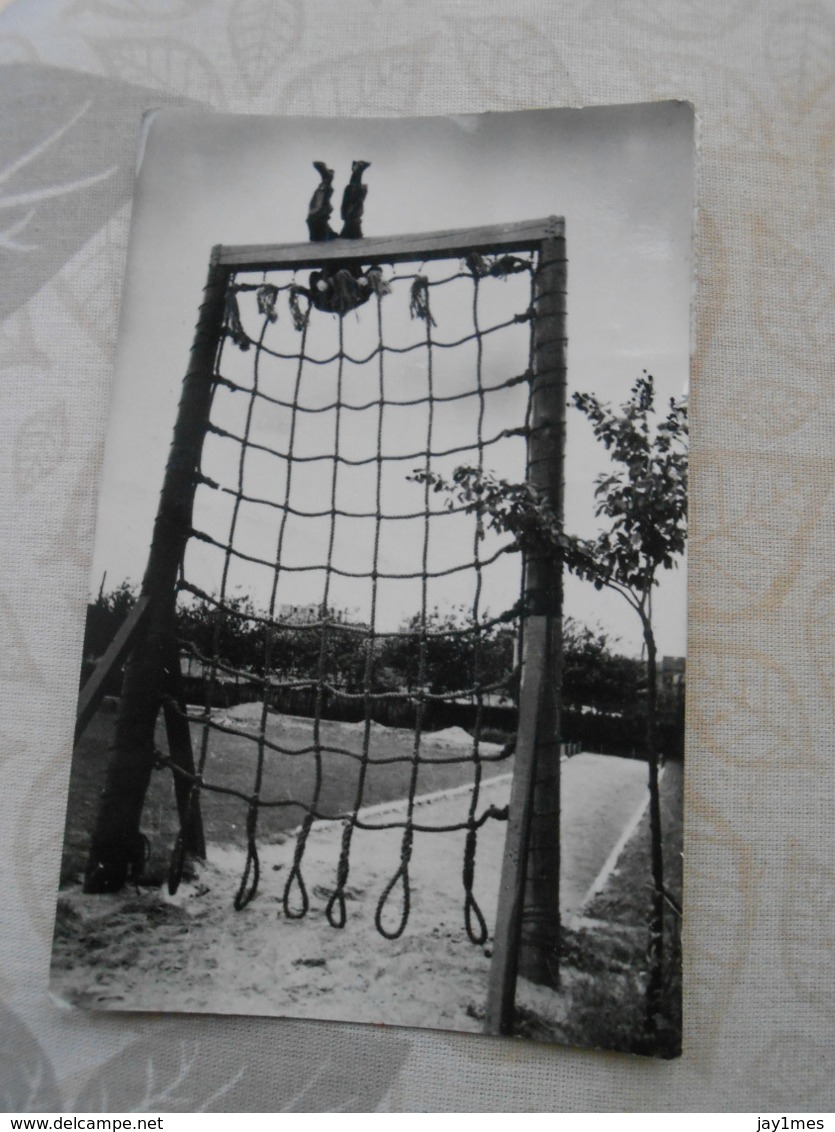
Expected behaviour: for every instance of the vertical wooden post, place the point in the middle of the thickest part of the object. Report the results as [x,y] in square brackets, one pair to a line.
[115,843]
[540,928]
[526,940]
[501,990]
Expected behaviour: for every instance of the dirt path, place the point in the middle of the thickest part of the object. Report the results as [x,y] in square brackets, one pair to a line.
[193,952]
[600,794]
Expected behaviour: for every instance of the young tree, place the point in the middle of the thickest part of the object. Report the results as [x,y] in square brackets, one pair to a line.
[644,500]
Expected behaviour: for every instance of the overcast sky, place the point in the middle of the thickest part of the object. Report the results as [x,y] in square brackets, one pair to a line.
[622,178]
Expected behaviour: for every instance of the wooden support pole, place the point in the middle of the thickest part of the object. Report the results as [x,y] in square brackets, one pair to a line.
[92,693]
[116,835]
[526,940]
[540,928]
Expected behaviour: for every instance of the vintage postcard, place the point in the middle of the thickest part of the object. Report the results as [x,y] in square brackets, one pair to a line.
[382,703]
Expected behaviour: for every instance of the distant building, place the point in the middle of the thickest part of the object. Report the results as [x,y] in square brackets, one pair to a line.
[298,614]
[672,673]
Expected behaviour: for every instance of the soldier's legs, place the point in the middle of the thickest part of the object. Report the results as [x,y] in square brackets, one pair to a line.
[320,209]
[353,201]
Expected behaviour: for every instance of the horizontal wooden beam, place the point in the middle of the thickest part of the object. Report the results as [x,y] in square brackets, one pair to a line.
[525,235]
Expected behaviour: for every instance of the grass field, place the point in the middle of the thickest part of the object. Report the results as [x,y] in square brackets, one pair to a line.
[288,780]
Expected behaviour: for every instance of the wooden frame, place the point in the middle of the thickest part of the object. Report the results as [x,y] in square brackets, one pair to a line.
[527,928]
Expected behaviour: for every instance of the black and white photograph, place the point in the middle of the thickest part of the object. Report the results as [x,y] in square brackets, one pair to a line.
[382,688]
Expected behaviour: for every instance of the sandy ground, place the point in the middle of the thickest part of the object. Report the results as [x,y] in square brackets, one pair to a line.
[150,951]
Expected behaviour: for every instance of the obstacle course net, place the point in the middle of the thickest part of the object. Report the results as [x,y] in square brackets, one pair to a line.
[326,574]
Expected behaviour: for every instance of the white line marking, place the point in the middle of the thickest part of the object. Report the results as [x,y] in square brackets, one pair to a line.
[612,860]
[420,800]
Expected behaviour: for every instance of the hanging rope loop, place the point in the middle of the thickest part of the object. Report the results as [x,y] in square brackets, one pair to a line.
[336,910]
[401,878]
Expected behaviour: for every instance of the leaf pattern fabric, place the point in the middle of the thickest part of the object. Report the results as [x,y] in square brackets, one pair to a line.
[75,76]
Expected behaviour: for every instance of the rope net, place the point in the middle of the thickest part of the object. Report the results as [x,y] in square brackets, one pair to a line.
[326,573]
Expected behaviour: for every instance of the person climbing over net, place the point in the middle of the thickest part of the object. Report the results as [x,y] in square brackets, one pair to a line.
[343,288]
[353,203]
